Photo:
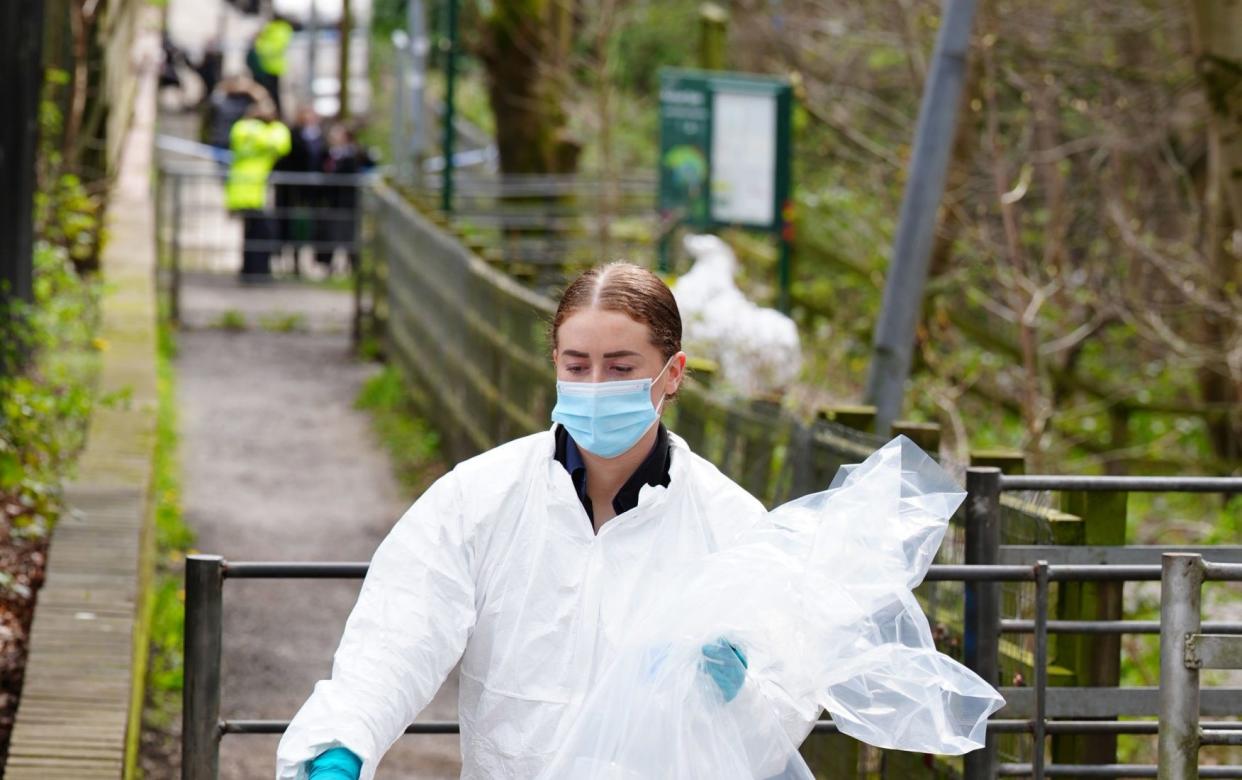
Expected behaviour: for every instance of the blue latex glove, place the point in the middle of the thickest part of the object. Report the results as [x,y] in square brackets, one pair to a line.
[726,665]
[336,764]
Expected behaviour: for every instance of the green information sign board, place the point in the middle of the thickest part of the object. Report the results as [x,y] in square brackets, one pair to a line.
[724,149]
[725,155]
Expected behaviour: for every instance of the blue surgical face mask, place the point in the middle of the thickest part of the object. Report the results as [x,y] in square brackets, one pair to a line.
[607,418]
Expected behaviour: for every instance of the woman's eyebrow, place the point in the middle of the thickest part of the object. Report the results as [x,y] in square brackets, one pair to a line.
[607,355]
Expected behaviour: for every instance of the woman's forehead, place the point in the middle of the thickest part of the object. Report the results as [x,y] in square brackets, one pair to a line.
[600,331]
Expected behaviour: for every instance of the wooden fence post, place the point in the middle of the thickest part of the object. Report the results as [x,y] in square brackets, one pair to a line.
[833,755]
[1094,660]
[703,370]
[713,36]
[860,417]
[761,445]
[691,420]
[926,435]
[1008,461]
[984,535]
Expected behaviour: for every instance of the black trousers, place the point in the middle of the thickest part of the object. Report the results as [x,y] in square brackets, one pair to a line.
[259,236]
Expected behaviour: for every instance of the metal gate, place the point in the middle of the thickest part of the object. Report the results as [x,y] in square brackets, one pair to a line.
[310,227]
[1040,711]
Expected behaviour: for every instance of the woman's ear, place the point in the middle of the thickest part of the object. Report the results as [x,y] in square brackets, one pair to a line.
[676,372]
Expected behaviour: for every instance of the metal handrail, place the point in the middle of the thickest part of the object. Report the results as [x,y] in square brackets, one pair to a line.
[984,626]
[1181,734]
[205,577]
[998,725]
[310,178]
[1015,482]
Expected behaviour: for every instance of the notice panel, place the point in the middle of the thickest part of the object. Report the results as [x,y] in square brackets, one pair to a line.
[743,183]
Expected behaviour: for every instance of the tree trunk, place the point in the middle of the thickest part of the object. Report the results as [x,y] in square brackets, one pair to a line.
[1217,31]
[525,46]
[80,24]
[1216,27]
[20,57]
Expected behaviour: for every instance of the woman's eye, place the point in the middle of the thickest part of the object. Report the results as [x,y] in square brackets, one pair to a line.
[622,369]
[575,369]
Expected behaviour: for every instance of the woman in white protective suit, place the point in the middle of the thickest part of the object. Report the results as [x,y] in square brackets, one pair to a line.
[523,562]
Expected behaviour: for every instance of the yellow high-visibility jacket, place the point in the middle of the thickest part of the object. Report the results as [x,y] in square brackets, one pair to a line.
[271,44]
[256,146]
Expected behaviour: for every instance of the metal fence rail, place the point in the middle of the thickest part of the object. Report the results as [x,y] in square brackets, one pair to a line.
[1184,650]
[1180,731]
[985,617]
[315,214]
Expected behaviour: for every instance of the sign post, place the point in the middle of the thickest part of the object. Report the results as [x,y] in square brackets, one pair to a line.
[725,157]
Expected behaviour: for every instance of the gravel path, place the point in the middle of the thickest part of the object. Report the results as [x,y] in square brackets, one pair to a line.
[278,465]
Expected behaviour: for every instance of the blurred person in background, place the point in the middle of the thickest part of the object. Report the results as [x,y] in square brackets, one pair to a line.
[298,203]
[171,65]
[210,68]
[344,156]
[257,142]
[266,56]
[228,103]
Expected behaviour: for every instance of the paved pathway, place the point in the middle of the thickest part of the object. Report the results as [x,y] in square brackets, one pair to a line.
[277,465]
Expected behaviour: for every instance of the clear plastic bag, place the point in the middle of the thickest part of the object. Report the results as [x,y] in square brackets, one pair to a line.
[820,603]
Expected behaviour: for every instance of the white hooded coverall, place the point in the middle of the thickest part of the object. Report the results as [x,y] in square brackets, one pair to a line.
[497,565]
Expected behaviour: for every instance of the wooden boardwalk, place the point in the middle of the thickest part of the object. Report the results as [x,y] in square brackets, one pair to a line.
[81,701]
[75,703]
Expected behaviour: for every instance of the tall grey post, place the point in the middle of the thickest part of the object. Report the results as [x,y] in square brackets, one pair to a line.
[420,45]
[982,645]
[200,700]
[312,51]
[450,80]
[1181,585]
[912,247]
[174,255]
[398,143]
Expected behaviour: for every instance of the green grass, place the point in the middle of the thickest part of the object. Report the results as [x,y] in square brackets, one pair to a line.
[343,283]
[283,322]
[411,443]
[173,539]
[231,320]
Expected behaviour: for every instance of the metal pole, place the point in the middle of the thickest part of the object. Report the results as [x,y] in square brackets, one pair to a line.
[400,162]
[450,79]
[355,328]
[784,266]
[1180,590]
[419,45]
[982,639]
[174,300]
[312,50]
[200,704]
[347,33]
[1226,485]
[907,274]
[1041,668]
[159,193]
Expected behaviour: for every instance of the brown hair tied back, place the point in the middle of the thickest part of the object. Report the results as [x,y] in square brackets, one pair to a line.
[631,290]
